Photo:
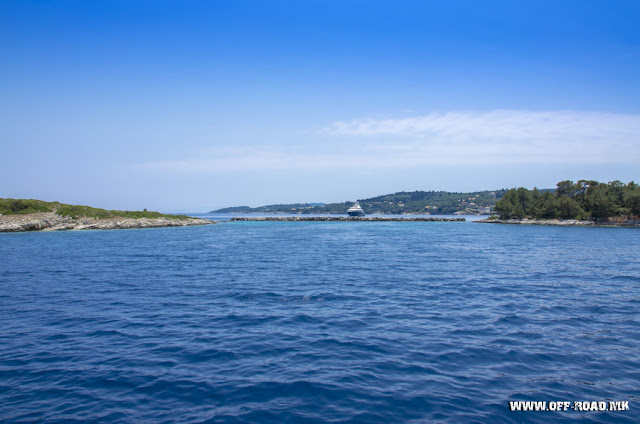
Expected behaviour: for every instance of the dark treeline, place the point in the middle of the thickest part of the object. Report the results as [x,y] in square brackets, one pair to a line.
[586,199]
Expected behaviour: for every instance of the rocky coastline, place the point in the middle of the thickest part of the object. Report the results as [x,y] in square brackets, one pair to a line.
[563,222]
[49,221]
[346,219]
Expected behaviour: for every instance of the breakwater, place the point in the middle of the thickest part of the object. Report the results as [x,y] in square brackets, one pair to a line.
[347,219]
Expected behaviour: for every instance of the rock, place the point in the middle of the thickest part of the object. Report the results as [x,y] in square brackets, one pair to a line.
[49,221]
[562,222]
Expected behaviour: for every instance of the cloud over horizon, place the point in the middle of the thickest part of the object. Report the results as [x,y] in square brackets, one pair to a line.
[451,138]
[500,124]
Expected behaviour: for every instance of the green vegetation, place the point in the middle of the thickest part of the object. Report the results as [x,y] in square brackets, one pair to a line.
[330,208]
[26,206]
[438,202]
[586,199]
[422,202]
[288,208]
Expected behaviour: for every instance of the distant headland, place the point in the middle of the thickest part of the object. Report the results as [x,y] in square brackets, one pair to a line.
[19,215]
[400,203]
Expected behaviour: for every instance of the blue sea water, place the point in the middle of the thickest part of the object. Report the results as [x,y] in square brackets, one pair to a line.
[319,322]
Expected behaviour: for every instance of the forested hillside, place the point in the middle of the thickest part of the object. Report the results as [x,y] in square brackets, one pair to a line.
[585,199]
[423,202]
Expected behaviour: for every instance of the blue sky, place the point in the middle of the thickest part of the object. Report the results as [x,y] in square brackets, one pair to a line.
[195,105]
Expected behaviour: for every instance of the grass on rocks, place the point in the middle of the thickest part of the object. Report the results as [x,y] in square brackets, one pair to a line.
[28,206]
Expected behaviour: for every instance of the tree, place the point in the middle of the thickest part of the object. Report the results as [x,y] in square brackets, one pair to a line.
[524,201]
[547,208]
[569,208]
[506,206]
[566,188]
[632,199]
[583,188]
[542,204]
[582,200]
[515,203]
[600,202]
[18,205]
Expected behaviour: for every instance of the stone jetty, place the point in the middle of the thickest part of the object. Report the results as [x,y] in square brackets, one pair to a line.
[347,219]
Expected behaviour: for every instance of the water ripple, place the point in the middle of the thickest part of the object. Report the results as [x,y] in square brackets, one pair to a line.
[318,323]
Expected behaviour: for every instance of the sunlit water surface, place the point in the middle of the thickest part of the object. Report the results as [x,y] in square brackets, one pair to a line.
[319,322]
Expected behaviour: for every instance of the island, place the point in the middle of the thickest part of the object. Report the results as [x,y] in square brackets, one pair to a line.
[400,203]
[20,215]
[582,203]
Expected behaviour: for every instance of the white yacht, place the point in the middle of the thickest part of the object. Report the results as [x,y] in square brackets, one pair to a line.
[355,210]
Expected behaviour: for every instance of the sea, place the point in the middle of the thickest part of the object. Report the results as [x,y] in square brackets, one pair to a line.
[321,322]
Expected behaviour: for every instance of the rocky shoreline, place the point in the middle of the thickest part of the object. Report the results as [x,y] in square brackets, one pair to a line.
[49,221]
[563,222]
[347,219]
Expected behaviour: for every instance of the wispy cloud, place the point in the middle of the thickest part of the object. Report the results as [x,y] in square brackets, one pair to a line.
[499,125]
[452,138]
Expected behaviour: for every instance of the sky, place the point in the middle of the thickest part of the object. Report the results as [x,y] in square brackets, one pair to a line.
[194,105]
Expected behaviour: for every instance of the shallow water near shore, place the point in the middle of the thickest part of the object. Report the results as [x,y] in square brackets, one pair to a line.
[319,322]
